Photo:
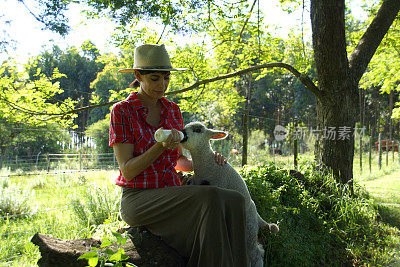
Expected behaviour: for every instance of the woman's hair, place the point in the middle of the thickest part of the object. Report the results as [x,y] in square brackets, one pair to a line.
[136,83]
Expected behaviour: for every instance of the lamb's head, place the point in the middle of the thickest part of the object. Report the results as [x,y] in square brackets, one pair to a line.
[196,135]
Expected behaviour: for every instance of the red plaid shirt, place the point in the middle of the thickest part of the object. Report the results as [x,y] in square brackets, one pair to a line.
[128,125]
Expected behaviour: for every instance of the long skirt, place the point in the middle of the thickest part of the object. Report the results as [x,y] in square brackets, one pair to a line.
[205,224]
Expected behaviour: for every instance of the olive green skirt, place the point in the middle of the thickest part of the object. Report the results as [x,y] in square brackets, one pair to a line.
[205,224]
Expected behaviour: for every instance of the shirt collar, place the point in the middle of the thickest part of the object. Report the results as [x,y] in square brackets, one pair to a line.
[143,110]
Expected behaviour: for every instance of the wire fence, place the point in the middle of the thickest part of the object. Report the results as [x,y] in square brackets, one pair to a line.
[69,164]
[11,237]
[19,175]
[58,163]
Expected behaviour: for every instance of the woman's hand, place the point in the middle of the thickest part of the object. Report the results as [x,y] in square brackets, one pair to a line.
[173,140]
[219,159]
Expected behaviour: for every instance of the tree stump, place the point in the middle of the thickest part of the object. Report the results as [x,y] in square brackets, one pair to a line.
[143,248]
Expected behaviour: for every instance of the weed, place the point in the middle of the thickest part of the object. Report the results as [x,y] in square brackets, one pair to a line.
[320,222]
[14,202]
[105,254]
[96,205]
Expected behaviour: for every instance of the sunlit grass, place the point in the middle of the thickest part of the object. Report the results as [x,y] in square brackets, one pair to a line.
[49,202]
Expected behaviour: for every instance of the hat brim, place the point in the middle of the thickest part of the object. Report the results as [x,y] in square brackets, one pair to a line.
[131,70]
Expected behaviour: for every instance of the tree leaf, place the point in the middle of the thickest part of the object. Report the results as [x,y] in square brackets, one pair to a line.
[89,255]
[123,241]
[93,261]
[117,256]
[106,244]
[109,251]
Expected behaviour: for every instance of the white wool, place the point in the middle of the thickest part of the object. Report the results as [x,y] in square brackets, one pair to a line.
[207,170]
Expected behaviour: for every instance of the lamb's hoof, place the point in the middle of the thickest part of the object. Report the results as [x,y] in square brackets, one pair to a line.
[273,228]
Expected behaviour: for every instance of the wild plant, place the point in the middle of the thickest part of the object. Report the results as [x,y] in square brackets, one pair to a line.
[14,203]
[321,222]
[96,205]
[105,254]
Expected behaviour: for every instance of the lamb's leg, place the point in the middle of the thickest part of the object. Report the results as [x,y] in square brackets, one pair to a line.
[261,222]
[272,227]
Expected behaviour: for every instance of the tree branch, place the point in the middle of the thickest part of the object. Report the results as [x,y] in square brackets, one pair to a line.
[372,37]
[240,34]
[304,79]
[33,14]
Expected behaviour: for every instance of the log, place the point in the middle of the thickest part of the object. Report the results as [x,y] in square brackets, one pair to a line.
[143,248]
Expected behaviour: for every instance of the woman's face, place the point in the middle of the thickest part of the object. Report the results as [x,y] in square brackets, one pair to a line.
[154,84]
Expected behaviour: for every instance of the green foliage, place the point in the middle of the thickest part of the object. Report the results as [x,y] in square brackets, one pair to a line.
[320,223]
[51,14]
[96,205]
[109,85]
[79,68]
[28,142]
[105,254]
[31,100]
[13,202]
[99,131]
[383,71]
[290,5]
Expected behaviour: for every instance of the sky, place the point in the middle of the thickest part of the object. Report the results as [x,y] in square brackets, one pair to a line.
[31,39]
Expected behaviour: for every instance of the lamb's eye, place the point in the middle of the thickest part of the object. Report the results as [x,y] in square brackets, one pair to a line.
[197,130]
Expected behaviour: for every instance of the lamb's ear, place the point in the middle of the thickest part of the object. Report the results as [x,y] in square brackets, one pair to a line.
[217,134]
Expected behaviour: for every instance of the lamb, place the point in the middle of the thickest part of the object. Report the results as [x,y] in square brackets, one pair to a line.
[208,172]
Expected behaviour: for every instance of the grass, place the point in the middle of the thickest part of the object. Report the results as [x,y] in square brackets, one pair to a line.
[49,201]
[69,206]
[384,188]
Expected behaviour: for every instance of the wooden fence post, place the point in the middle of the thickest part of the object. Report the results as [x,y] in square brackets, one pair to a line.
[245,134]
[48,161]
[380,151]
[273,150]
[370,154]
[295,146]
[361,148]
[387,152]
[80,159]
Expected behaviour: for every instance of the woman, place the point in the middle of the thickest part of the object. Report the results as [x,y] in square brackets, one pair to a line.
[205,224]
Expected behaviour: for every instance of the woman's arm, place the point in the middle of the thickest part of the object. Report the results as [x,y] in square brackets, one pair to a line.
[132,166]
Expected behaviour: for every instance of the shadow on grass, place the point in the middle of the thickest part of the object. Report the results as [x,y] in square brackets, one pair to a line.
[389,213]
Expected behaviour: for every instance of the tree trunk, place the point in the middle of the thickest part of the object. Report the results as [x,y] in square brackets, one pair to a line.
[338,77]
[143,248]
[246,121]
[245,133]
[337,149]
[338,105]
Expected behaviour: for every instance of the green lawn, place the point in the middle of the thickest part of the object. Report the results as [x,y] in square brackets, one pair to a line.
[385,189]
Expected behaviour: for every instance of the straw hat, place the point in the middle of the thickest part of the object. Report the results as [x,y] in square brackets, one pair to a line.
[151,57]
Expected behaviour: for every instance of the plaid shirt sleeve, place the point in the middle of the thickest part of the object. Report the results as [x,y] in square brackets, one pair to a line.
[120,126]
